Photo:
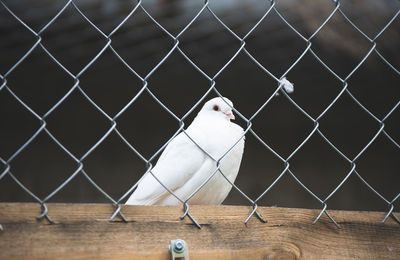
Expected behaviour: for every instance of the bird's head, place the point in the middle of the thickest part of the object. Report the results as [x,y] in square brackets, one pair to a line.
[219,107]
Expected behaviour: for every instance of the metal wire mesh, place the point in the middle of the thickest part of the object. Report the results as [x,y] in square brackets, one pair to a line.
[175,39]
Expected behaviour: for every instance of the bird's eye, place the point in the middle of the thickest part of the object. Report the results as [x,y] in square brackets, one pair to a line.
[215,108]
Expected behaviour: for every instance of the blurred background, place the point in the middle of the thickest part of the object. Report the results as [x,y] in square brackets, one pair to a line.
[78,125]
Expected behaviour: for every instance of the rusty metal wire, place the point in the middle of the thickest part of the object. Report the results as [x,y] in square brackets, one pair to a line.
[175,39]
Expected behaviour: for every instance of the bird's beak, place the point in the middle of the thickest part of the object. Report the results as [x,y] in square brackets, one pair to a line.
[230,115]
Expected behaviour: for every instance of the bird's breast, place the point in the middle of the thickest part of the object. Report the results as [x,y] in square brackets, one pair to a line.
[217,138]
[224,141]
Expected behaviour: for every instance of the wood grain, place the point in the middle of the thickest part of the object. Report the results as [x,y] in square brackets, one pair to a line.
[82,231]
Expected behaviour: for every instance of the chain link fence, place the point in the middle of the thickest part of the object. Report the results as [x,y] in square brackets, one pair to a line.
[212,79]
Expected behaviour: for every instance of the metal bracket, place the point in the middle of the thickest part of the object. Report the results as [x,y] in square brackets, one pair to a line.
[178,249]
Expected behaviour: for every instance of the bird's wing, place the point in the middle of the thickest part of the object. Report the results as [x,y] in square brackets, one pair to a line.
[177,164]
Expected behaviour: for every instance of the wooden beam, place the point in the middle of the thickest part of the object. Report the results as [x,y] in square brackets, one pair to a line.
[83,231]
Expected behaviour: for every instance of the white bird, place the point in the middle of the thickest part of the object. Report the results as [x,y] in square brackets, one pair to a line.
[183,166]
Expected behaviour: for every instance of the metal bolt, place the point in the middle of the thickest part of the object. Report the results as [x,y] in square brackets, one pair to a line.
[179,246]
[178,249]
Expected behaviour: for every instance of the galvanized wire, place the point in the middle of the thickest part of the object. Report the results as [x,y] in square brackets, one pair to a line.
[212,79]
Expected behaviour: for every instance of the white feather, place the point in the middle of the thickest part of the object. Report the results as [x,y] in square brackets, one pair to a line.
[286,85]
